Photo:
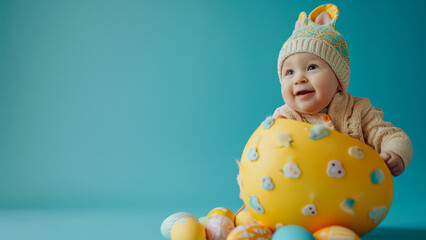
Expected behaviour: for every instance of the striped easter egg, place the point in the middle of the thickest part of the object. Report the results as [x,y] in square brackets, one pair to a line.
[335,233]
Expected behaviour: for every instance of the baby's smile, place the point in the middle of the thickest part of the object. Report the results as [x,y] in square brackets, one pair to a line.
[304,93]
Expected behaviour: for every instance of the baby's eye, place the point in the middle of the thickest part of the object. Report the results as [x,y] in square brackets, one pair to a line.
[312,67]
[289,72]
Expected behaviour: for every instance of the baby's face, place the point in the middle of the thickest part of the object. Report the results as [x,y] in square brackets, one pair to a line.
[308,84]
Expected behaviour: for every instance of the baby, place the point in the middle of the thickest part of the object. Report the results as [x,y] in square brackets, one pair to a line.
[313,67]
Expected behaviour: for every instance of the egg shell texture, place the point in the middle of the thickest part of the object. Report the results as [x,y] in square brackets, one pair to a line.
[284,203]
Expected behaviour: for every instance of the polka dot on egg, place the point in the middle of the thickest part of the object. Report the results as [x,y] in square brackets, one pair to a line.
[377,213]
[348,205]
[335,169]
[356,152]
[252,154]
[291,170]
[268,122]
[267,183]
[284,139]
[309,210]
[318,131]
[377,176]
[254,203]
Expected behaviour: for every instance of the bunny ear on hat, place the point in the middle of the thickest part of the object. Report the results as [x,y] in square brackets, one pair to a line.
[301,21]
[326,14]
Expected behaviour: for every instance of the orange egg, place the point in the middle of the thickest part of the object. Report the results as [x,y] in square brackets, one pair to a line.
[335,232]
[252,231]
[222,211]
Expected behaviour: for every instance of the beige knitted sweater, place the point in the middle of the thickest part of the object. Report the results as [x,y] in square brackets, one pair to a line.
[356,117]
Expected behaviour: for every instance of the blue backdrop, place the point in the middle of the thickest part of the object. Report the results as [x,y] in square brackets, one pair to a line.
[149,103]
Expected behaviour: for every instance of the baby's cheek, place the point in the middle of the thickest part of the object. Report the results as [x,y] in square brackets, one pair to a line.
[285,90]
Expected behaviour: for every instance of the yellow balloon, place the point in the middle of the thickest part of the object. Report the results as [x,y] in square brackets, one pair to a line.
[297,173]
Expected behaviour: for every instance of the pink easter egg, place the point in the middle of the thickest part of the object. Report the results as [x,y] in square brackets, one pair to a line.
[218,228]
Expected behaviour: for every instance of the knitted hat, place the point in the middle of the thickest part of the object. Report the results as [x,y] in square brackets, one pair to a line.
[319,36]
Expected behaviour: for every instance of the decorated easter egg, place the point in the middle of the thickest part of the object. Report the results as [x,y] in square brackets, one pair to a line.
[187,229]
[244,217]
[335,232]
[222,211]
[251,231]
[167,224]
[292,232]
[297,173]
[218,228]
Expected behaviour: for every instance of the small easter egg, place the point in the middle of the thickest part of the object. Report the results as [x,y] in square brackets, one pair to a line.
[167,224]
[218,228]
[222,211]
[292,232]
[335,232]
[187,229]
[244,217]
[251,231]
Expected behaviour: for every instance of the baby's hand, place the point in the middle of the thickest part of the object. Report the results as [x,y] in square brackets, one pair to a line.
[394,162]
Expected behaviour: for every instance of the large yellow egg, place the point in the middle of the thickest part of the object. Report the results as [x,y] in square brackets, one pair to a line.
[297,173]
[187,229]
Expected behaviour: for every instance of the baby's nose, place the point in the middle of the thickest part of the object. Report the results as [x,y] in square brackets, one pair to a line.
[301,80]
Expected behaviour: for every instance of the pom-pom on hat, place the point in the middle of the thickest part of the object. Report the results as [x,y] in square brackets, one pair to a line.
[317,34]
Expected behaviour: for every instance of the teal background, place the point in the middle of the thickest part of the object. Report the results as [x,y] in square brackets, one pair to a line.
[141,107]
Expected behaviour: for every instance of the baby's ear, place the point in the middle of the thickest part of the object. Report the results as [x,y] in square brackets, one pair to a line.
[323,18]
